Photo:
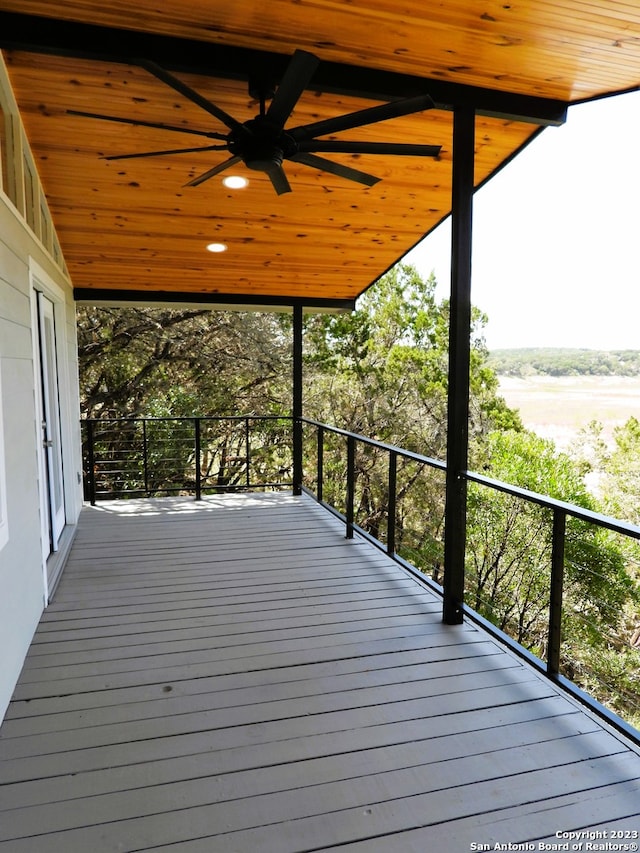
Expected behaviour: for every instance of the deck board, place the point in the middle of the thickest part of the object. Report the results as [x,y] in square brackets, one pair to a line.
[234,675]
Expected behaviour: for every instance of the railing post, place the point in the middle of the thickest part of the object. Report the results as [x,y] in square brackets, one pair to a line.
[145,461]
[351,465]
[556,591]
[320,457]
[197,450]
[247,449]
[391,503]
[459,356]
[91,474]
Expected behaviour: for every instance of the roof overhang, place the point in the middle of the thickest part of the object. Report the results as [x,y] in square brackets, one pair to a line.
[110,44]
[130,230]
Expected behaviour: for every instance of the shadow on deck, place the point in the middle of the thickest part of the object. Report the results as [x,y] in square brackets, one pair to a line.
[234,675]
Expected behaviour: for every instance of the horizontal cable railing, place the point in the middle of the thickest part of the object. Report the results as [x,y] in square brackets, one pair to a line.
[545,576]
[151,457]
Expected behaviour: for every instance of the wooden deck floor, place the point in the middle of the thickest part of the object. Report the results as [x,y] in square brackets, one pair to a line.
[236,676]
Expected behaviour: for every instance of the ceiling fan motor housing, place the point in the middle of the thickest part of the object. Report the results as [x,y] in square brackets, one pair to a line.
[261,144]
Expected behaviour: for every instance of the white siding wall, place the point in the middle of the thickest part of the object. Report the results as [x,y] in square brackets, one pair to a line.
[22,577]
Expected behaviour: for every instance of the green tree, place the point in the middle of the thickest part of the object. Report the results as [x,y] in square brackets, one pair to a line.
[509,563]
[621,472]
[147,362]
[382,371]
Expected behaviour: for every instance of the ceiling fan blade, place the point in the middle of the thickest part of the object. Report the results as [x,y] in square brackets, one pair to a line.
[279,180]
[210,173]
[335,168]
[344,147]
[160,153]
[189,93]
[370,115]
[295,81]
[139,123]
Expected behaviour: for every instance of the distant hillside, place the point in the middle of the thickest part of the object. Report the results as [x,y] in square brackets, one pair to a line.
[565,362]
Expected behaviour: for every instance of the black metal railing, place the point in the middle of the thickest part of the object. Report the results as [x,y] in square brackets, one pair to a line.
[394,498]
[152,457]
[369,484]
[344,469]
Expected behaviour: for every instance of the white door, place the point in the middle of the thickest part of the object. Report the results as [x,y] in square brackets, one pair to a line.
[50,408]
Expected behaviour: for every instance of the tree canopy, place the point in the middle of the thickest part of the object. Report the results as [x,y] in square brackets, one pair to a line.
[382,370]
[138,362]
[557,361]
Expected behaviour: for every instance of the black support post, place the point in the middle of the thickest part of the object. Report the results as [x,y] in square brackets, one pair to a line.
[459,355]
[297,400]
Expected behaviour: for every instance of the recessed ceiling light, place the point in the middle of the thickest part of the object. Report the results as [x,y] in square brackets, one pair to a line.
[217,247]
[235,182]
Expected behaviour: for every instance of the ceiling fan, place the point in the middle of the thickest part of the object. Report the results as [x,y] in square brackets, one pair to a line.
[263,143]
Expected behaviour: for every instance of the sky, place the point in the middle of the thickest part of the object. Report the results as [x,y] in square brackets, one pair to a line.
[556,239]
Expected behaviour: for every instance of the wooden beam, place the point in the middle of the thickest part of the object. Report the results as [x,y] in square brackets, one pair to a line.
[93,296]
[101,43]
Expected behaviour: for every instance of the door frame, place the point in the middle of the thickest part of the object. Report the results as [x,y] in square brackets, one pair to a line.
[41,282]
[51,418]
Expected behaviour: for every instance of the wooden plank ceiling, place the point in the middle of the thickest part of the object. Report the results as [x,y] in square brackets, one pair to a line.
[132,227]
